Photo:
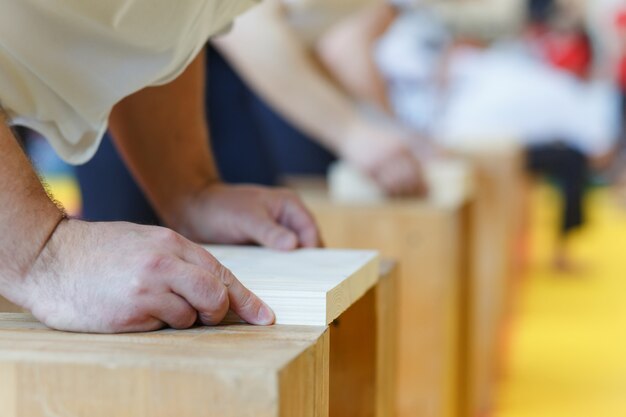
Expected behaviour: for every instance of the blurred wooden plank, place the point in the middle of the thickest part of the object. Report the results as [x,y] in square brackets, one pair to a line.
[426,239]
[496,220]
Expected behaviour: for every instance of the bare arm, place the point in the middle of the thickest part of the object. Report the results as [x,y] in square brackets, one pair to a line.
[284,71]
[149,277]
[357,72]
[162,134]
[27,216]
[271,57]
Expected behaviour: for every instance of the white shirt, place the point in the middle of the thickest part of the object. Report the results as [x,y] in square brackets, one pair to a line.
[64,64]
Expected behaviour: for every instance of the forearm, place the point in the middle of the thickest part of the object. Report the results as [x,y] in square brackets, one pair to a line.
[282,69]
[357,71]
[27,219]
[162,134]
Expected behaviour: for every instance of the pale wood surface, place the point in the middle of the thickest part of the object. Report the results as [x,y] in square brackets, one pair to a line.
[353,360]
[307,286]
[497,227]
[236,370]
[425,239]
[362,353]
[387,339]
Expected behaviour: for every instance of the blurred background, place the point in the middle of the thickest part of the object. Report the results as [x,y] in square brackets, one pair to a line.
[549,76]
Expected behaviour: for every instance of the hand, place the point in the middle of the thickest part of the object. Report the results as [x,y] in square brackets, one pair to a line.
[121,277]
[275,218]
[382,153]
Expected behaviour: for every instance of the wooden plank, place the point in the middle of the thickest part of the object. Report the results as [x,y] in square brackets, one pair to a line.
[425,238]
[235,370]
[497,228]
[353,360]
[362,356]
[387,339]
[307,286]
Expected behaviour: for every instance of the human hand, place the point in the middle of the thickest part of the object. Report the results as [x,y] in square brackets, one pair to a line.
[383,153]
[271,217]
[121,277]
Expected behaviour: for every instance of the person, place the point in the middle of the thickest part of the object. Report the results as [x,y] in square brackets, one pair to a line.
[69,69]
[537,91]
[268,91]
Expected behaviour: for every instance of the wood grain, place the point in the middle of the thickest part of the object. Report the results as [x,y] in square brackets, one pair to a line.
[307,286]
[387,339]
[426,240]
[236,370]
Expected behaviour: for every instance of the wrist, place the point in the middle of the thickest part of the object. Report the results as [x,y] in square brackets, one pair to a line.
[17,264]
[180,214]
[352,133]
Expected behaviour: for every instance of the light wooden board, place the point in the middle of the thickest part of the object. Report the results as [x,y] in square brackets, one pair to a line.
[387,339]
[362,355]
[236,370]
[427,241]
[497,229]
[304,287]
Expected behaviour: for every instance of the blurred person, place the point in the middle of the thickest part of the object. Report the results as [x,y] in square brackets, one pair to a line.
[68,71]
[273,111]
[538,91]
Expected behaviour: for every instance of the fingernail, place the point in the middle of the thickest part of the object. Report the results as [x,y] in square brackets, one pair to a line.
[266,315]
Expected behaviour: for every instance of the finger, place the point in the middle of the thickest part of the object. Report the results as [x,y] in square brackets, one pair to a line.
[267,232]
[243,302]
[203,291]
[295,216]
[240,299]
[408,173]
[174,311]
[386,179]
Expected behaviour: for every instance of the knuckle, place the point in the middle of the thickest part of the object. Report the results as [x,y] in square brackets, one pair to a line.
[166,236]
[213,301]
[216,310]
[224,275]
[157,263]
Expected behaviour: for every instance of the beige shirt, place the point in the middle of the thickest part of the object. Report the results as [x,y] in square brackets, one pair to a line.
[64,64]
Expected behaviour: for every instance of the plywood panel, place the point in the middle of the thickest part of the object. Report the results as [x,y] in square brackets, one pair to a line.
[308,286]
[235,370]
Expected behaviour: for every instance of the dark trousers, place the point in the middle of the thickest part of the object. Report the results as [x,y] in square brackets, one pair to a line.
[569,168]
[251,143]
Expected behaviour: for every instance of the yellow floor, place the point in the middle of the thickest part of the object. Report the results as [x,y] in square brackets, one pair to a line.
[568,350]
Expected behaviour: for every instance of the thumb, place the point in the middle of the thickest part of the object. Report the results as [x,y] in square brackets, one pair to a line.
[267,232]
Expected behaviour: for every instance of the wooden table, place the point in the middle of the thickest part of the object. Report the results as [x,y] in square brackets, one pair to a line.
[428,239]
[229,370]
